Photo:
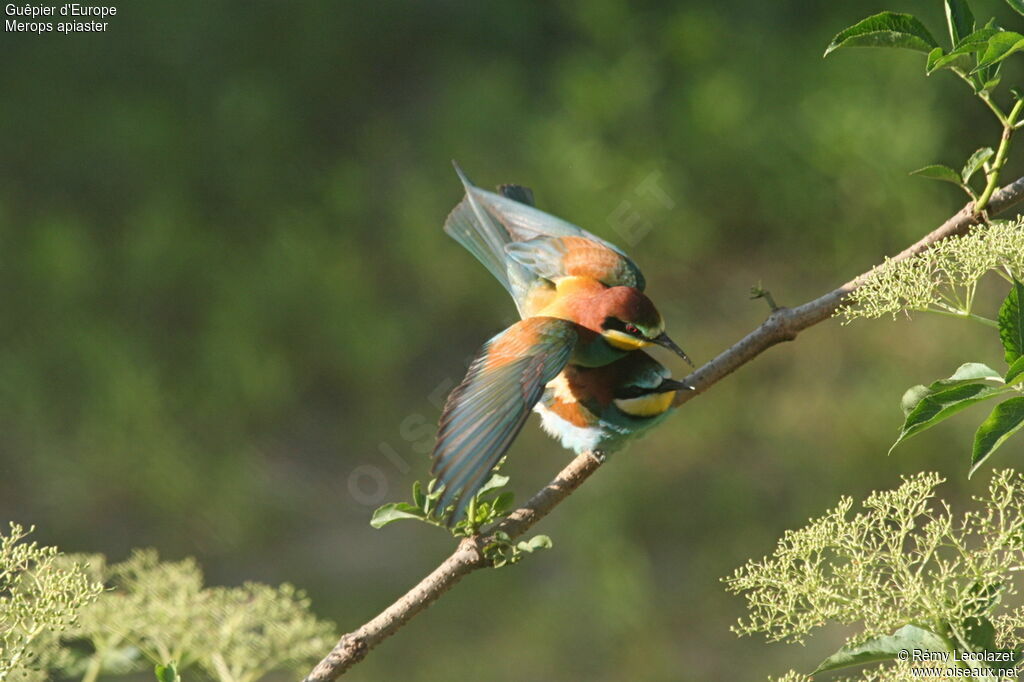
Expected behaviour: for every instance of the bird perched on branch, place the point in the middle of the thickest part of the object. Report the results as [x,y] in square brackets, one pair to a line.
[582,306]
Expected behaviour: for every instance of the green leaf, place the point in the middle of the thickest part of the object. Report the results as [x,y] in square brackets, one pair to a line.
[976,161]
[969,371]
[992,81]
[984,595]
[937,58]
[980,634]
[1000,46]
[960,20]
[887,29]
[503,502]
[965,373]
[495,481]
[419,500]
[979,39]
[943,404]
[958,57]
[394,511]
[1017,5]
[977,633]
[1016,372]
[167,673]
[937,171]
[434,489]
[1011,323]
[913,396]
[1006,419]
[883,648]
[535,543]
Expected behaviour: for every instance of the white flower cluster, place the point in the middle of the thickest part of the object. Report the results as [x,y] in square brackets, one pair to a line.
[905,559]
[943,278]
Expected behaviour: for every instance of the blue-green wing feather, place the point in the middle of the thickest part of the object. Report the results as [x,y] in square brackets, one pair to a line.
[522,221]
[487,410]
[554,257]
[482,236]
[478,231]
[494,227]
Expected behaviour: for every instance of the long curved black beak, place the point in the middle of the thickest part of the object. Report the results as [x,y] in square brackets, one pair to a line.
[663,340]
[673,385]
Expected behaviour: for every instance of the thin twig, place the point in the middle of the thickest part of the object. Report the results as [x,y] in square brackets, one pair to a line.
[783,324]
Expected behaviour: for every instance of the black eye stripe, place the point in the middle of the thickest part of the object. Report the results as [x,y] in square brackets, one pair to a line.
[618,325]
[613,323]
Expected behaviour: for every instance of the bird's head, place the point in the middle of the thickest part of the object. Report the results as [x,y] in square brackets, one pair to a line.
[629,321]
[645,389]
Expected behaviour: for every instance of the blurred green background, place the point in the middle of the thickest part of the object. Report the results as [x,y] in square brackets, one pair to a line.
[228,310]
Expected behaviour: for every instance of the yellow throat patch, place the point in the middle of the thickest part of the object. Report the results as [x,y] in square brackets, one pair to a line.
[648,405]
[624,341]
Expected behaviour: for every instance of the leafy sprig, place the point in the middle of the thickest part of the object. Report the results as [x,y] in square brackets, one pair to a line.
[488,506]
[976,55]
[944,280]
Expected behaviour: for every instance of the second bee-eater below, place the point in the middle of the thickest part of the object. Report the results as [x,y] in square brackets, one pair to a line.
[600,409]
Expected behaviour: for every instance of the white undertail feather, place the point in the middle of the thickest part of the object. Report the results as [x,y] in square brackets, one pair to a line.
[576,438]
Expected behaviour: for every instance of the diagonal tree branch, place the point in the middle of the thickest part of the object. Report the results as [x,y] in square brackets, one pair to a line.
[783,324]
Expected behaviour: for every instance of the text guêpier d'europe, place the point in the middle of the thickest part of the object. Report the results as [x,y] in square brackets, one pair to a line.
[70,17]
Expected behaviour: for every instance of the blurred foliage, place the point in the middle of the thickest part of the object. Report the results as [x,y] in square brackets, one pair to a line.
[162,611]
[226,289]
[77,617]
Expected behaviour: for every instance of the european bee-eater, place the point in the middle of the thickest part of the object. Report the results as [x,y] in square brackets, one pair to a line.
[582,302]
[598,409]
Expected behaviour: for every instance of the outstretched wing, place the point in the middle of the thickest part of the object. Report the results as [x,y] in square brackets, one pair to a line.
[554,257]
[484,237]
[520,218]
[486,411]
[488,224]
[523,223]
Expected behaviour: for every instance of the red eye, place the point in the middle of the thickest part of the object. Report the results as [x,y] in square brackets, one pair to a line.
[632,329]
